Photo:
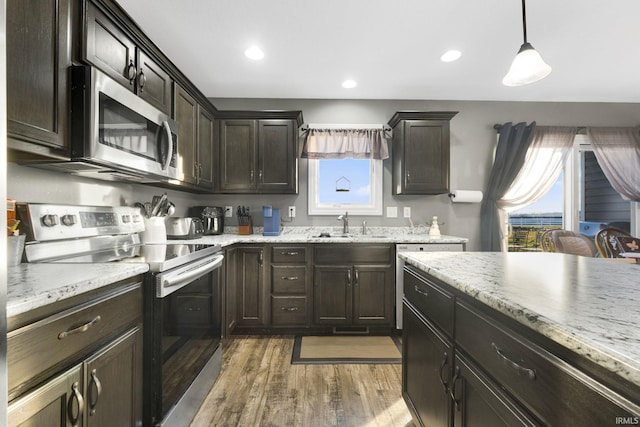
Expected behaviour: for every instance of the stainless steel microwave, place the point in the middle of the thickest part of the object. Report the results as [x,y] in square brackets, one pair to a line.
[117,135]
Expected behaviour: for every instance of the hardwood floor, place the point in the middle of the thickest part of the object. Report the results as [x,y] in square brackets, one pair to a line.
[258,386]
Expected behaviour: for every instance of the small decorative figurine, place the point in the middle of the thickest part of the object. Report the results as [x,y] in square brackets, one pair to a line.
[434,230]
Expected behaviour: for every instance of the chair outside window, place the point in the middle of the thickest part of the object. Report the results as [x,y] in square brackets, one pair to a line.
[519,241]
[545,242]
[570,242]
[607,244]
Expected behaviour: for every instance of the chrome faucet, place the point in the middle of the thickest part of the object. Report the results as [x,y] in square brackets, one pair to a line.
[345,222]
[364,228]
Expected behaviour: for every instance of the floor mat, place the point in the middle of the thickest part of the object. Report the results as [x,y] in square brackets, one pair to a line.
[346,349]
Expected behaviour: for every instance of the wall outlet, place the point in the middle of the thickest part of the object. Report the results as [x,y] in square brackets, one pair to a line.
[292,211]
[407,211]
[228,211]
[392,212]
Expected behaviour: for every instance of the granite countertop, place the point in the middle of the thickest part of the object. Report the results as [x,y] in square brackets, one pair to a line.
[311,235]
[30,286]
[588,305]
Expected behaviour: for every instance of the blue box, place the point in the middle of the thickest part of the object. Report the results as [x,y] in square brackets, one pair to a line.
[271,221]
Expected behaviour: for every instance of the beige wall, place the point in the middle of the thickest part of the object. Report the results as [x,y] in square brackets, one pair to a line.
[472,142]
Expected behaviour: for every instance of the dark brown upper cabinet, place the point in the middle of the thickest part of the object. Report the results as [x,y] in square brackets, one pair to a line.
[196,140]
[420,152]
[109,48]
[258,152]
[38,52]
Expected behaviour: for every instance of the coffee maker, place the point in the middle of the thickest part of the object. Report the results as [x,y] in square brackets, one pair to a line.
[212,218]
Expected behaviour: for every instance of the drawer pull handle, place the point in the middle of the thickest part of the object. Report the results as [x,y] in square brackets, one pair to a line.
[77,396]
[290,278]
[452,391]
[289,253]
[531,374]
[79,329]
[289,309]
[420,291]
[445,363]
[98,385]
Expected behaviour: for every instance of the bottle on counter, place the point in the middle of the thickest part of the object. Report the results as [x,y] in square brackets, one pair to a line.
[434,230]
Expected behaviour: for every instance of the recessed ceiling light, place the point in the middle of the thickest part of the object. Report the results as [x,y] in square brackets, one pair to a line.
[255,53]
[349,84]
[450,55]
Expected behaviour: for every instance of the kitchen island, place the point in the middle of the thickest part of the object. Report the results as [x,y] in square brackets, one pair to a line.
[560,322]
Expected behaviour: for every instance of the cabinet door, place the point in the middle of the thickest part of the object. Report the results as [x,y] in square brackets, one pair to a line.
[108,48]
[480,402]
[113,378]
[278,167]
[251,287]
[373,295]
[39,52]
[205,148]
[186,115]
[332,295]
[153,83]
[57,403]
[230,297]
[426,367]
[425,157]
[238,156]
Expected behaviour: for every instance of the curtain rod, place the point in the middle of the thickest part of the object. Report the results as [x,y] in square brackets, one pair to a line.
[580,130]
[344,126]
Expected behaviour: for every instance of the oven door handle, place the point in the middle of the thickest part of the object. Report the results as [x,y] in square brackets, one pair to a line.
[183,279]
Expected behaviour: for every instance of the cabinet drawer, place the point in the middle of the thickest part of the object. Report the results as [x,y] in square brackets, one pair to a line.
[288,279]
[340,254]
[432,302]
[555,392]
[288,254]
[33,351]
[289,311]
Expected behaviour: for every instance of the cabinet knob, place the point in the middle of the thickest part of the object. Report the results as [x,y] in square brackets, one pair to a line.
[142,80]
[131,71]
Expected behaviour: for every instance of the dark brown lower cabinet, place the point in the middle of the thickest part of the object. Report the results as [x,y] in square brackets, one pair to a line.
[426,366]
[478,401]
[104,390]
[251,288]
[500,374]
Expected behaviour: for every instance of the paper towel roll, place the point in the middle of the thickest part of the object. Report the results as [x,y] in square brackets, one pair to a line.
[466,196]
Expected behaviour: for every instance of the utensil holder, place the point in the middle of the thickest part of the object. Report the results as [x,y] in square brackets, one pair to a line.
[15,247]
[155,230]
[246,229]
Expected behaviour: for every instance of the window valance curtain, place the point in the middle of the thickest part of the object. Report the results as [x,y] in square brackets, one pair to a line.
[345,143]
[617,151]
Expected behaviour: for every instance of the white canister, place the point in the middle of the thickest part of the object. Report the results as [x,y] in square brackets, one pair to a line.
[155,230]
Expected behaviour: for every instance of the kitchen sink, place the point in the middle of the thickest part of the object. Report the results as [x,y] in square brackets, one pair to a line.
[353,236]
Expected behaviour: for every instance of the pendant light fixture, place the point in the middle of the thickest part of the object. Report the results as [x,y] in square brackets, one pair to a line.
[528,66]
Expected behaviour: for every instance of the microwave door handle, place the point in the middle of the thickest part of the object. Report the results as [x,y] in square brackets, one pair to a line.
[167,160]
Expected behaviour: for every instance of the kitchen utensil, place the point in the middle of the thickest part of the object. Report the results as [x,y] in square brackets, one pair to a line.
[157,203]
[143,209]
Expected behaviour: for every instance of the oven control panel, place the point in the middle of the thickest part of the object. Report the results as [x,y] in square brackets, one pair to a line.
[45,222]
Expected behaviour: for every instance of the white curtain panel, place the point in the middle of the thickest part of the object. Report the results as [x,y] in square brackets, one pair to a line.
[543,164]
[345,143]
[618,153]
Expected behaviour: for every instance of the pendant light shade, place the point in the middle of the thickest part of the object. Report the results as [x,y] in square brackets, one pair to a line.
[528,66]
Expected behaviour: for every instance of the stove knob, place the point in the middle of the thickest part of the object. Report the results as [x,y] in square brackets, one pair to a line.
[126,219]
[49,220]
[68,220]
[136,218]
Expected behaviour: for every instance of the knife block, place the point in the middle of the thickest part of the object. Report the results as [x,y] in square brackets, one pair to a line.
[246,229]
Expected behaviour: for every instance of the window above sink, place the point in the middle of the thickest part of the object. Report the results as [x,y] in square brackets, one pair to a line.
[339,185]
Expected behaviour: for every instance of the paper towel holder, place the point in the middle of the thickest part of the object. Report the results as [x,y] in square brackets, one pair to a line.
[466,196]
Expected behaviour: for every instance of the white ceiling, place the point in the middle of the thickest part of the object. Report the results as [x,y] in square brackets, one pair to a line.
[393,47]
